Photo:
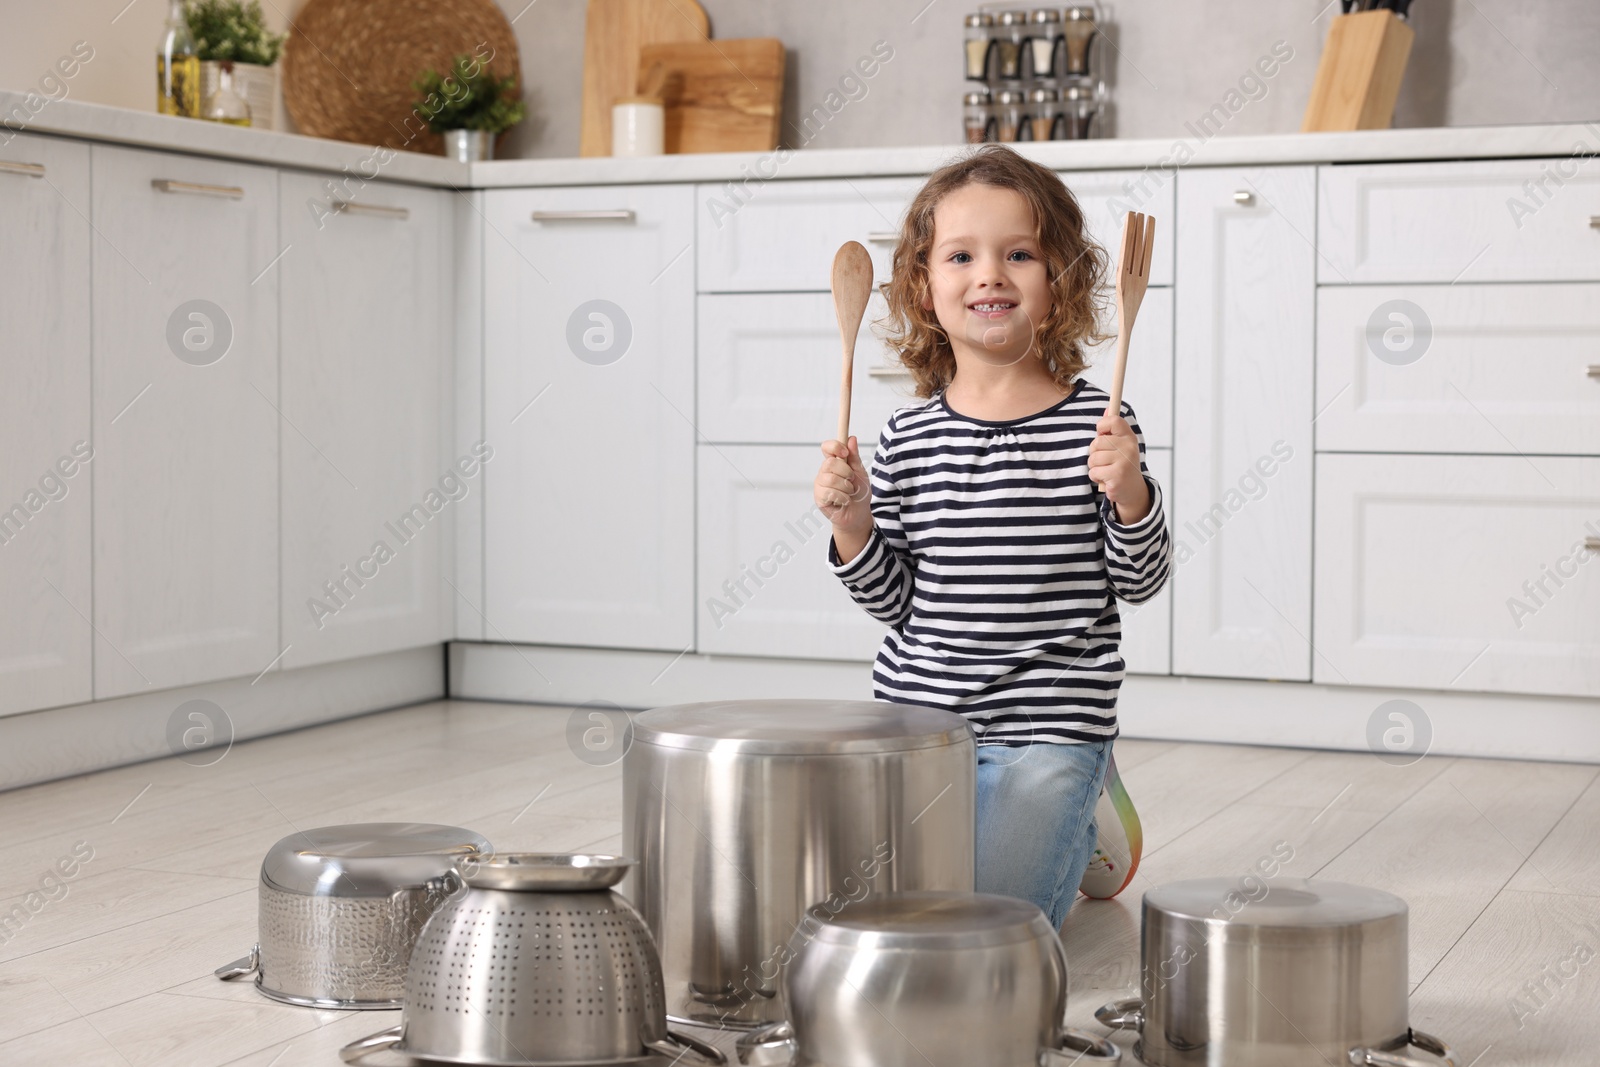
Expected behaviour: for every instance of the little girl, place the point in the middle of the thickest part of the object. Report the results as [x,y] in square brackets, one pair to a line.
[1008,511]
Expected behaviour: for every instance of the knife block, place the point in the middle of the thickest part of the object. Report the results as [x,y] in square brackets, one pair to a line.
[1358,77]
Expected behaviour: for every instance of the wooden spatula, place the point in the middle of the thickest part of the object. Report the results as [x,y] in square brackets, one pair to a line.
[852,287]
[1133,277]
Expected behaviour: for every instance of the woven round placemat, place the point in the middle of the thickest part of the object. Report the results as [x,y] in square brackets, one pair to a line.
[349,64]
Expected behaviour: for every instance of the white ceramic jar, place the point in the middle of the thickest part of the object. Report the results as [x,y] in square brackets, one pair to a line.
[638,126]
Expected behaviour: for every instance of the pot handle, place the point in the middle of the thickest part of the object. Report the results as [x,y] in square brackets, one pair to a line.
[1125,1014]
[383,1039]
[1371,1057]
[1075,1046]
[242,966]
[771,1046]
[676,1044]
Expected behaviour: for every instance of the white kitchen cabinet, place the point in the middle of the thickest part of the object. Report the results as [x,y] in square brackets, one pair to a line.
[782,235]
[1459,572]
[590,408]
[1106,197]
[1459,368]
[768,370]
[1242,463]
[764,588]
[186,419]
[1147,627]
[368,485]
[46,445]
[1496,220]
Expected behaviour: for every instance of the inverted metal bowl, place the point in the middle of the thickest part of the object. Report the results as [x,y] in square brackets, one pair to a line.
[546,872]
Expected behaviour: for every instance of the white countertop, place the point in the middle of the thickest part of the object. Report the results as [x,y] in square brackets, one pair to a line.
[95,122]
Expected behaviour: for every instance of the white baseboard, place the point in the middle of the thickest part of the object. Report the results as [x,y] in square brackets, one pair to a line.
[38,746]
[1234,711]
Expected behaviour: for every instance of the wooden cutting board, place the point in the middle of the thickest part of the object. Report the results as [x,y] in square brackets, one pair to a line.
[721,96]
[613,34]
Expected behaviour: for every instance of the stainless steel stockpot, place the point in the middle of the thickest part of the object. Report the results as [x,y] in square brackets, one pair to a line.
[1286,972]
[341,906]
[748,817]
[927,980]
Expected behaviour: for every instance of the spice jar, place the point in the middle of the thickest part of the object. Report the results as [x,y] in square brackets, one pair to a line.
[1044,110]
[1078,30]
[1009,114]
[1044,33]
[1079,108]
[1010,39]
[980,46]
[977,112]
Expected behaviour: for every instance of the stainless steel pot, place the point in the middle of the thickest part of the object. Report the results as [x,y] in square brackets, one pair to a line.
[927,980]
[1272,973]
[749,817]
[341,906]
[538,962]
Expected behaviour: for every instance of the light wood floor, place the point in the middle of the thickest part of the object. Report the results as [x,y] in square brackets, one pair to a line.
[1500,862]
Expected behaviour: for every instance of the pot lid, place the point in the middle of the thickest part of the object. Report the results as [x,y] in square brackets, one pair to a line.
[930,920]
[800,727]
[1251,901]
[367,859]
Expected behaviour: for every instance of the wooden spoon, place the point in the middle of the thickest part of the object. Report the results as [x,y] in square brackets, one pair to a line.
[852,287]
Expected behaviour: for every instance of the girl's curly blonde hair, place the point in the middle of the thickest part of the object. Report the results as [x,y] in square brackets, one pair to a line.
[1076,265]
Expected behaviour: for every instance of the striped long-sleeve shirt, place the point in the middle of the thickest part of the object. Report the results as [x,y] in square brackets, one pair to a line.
[998,568]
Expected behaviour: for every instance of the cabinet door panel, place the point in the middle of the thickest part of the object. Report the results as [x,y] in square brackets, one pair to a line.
[1147,381]
[1242,472]
[589,406]
[764,585]
[367,489]
[186,420]
[1106,196]
[1147,627]
[1459,368]
[44,424]
[1459,572]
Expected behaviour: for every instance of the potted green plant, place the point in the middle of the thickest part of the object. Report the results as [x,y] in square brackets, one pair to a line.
[231,38]
[470,106]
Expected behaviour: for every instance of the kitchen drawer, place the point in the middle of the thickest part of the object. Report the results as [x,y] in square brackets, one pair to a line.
[1463,368]
[1459,572]
[1147,627]
[768,371]
[1147,384]
[784,235]
[763,587]
[1459,221]
[1106,196]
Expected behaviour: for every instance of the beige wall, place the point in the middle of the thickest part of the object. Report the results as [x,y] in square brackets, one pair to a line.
[1473,64]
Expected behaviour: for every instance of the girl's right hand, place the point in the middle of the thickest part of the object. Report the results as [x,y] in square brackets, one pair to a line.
[842,489]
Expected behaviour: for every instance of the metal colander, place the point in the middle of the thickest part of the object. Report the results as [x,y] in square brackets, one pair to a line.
[536,962]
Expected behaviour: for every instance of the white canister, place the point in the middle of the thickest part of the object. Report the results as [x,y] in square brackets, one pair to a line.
[638,126]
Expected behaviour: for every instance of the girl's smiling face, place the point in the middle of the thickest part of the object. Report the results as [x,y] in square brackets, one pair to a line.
[987,282]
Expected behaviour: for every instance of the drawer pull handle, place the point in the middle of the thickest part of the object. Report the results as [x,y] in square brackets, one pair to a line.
[168,185]
[888,372]
[1594,222]
[31,170]
[883,237]
[1244,197]
[350,207]
[1592,544]
[1594,370]
[618,215]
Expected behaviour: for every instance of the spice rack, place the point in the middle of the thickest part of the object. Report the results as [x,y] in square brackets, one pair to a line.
[1036,73]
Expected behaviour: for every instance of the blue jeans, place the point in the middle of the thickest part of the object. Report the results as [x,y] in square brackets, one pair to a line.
[1036,820]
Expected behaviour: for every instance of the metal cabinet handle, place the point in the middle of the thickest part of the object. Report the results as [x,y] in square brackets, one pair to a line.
[1594,222]
[1244,197]
[1592,544]
[883,237]
[350,207]
[618,215]
[1594,370]
[169,185]
[30,170]
[888,372]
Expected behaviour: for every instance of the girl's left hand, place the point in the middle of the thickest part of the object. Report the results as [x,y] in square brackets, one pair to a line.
[1114,467]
